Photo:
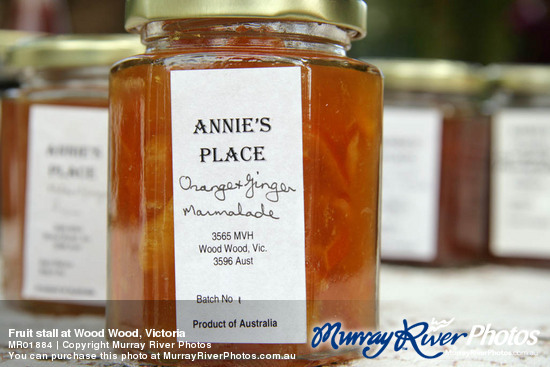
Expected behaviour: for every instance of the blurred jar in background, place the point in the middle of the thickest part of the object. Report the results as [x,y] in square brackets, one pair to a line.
[435,163]
[520,175]
[54,240]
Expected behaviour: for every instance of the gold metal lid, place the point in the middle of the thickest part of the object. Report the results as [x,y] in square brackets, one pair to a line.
[521,78]
[425,75]
[74,50]
[8,38]
[348,14]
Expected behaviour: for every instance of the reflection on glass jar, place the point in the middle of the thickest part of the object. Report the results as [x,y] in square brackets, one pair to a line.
[244,178]
[435,163]
[54,165]
[520,176]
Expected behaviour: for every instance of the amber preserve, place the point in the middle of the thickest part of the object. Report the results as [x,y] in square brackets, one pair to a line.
[244,183]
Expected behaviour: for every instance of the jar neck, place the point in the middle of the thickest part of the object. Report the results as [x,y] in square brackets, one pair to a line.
[245,35]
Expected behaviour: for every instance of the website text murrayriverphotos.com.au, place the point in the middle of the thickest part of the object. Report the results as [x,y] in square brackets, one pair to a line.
[423,338]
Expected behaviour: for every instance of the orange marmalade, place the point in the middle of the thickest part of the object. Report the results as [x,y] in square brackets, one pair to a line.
[244,189]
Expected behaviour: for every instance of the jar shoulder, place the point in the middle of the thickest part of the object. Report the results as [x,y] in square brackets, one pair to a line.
[232,59]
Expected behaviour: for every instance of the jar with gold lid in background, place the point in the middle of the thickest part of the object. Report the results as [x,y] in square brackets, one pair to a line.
[54,235]
[520,170]
[435,162]
[244,177]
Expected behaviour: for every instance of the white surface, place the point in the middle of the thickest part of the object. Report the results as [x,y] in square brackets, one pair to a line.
[505,297]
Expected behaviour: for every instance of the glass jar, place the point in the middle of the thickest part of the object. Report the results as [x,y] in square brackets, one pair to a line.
[435,163]
[520,170]
[244,178]
[54,144]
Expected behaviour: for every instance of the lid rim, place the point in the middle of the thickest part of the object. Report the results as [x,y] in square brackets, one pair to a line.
[73,50]
[521,78]
[431,75]
[9,38]
[348,14]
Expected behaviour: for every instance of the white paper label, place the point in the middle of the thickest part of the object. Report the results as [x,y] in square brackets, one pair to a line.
[520,207]
[410,183]
[238,205]
[66,208]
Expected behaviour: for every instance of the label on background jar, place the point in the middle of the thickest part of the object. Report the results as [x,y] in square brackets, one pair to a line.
[410,183]
[239,205]
[66,207]
[520,207]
